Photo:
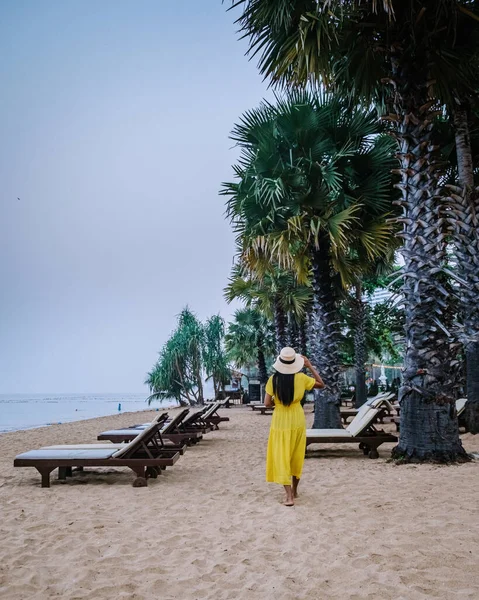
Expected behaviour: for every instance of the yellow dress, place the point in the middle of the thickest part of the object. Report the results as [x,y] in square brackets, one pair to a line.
[287,435]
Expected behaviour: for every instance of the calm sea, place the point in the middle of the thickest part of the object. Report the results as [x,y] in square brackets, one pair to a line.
[23,411]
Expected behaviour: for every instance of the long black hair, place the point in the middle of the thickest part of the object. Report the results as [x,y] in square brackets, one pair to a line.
[283,388]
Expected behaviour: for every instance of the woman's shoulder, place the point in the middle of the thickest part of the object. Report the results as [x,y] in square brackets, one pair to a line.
[300,377]
[303,380]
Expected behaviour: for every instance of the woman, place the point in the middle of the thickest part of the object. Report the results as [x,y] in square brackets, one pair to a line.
[287,436]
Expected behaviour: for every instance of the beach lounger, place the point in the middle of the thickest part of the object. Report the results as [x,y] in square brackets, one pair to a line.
[348,401]
[211,416]
[184,423]
[383,399]
[223,403]
[262,409]
[202,420]
[145,456]
[360,431]
[170,430]
[158,440]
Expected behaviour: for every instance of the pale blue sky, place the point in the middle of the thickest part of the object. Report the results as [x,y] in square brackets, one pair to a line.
[114,126]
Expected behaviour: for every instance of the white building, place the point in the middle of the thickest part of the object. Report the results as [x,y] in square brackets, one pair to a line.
[379,296]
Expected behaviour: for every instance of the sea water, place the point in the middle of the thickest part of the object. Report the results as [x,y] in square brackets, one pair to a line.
[23,411]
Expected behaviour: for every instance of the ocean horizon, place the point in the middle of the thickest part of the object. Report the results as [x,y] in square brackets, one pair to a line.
[27,411]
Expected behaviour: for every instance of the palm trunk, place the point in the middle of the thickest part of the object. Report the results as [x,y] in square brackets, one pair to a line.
[280,325]
[303,337]
[293,338]
[465,207]
[325,340]
[182,383]
[428,429]
[263,373]
[199,384]
[360,316]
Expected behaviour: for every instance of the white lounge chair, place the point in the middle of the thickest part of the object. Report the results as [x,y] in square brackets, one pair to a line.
[360,431]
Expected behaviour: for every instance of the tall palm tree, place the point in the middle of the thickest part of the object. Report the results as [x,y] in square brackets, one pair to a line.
[465,205]
[459,137]
[313,188]
[403,55]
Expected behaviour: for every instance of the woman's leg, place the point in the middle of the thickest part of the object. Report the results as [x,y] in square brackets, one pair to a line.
[289,500]
[294,486]
[297,461]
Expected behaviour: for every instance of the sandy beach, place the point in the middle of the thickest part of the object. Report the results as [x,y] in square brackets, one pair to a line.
[210,527]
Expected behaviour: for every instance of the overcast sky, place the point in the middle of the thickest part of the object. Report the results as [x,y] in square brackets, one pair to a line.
[114,126]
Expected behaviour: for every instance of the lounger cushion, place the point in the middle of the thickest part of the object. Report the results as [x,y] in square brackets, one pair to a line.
[361,422]
[460,405]
[67,454]
[310,433]
[125,432]
[84,447]
[362,410]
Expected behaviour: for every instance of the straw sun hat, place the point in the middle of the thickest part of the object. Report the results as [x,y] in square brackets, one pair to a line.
[288,362]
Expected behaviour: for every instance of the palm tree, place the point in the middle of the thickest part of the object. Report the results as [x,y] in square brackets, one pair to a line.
[404,56]
[178,370]
[250,341]
[314,186]
[465,206]
[276,294]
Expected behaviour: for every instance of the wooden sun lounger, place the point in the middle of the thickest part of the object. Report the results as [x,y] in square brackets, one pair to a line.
[171,430]
[145,456]
[360,431]
[204,420]
[223,403]
[383,399]
[261,408]
[211,416]
[348,401]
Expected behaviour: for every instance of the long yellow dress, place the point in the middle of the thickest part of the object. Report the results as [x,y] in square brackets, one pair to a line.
[287,435]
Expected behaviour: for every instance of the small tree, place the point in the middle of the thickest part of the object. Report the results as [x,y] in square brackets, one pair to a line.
[178,371]
[250,341]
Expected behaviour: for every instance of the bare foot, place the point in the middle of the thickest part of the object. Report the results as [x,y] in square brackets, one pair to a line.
[289,503]
[295,494]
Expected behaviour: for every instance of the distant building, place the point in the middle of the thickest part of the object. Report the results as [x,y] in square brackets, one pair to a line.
[383,295]
[378,296]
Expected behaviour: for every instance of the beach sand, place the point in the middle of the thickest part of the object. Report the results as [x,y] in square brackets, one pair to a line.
[210,527]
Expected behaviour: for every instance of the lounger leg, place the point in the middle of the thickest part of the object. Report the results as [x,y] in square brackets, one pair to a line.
[62,473]
[141,480]
[45,473]
[373,453]
[69,471]
[152,472]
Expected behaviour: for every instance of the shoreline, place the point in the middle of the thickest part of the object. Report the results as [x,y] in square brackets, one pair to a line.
[210,527]
[119,413]
[33,413]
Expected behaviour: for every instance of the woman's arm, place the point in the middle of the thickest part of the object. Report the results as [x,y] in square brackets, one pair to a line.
[319,382]
[268,400]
